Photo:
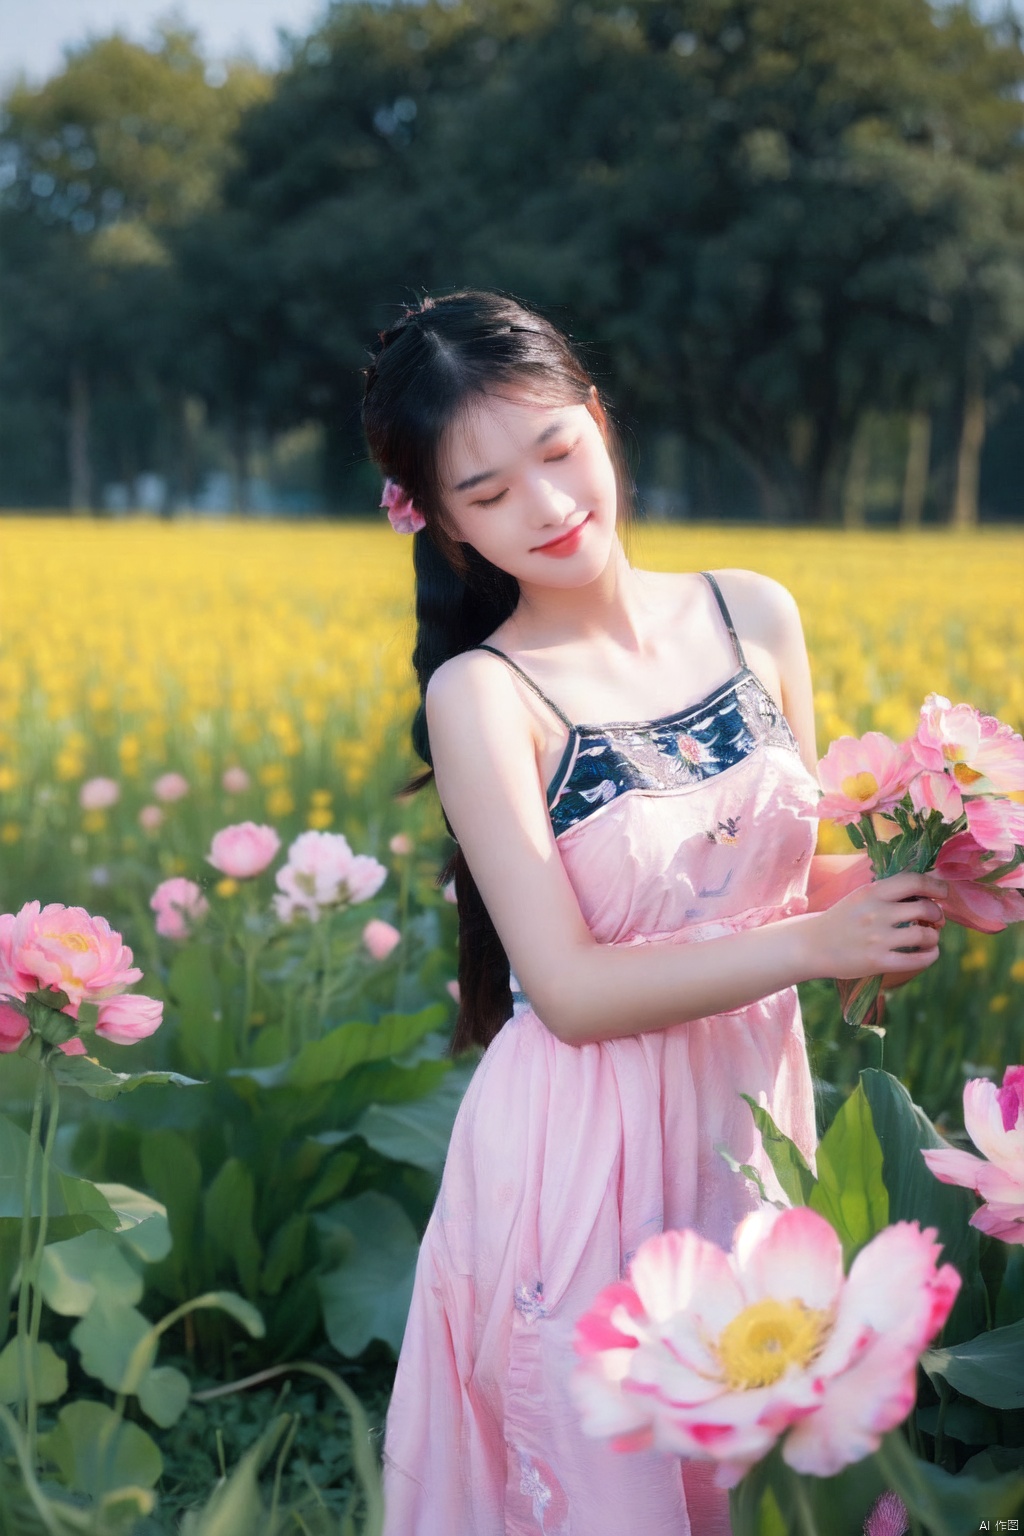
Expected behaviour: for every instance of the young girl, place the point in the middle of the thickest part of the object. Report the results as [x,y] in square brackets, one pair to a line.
[651,879]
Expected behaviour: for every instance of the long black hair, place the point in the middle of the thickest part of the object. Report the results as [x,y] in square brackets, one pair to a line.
[428,366]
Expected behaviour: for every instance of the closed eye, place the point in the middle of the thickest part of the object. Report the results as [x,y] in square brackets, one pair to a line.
[490,501]
[556,458]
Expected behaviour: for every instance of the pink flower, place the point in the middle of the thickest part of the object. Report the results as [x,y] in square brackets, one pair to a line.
[179,905]
[65,949]
[401,844]
[452,988]
[243,850]
[936,792]
[151,817]
[718,1355]
[448,892]
[888,1517]
[987,907]
[129,1018]
[994,1119]
[73,1047]
[402,515]
[380,938]
[858,775]
[171,786]
[98,794]
[980,753]
[235,780]
[13,1028]
[997,825]
[322,871]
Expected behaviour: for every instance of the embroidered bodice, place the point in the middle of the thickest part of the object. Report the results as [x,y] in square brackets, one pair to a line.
[603,762]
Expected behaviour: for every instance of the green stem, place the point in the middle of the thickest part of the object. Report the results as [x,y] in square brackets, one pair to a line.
[25,1363]
[31,1405]
[803,1507]
[325,968]
[25,1464]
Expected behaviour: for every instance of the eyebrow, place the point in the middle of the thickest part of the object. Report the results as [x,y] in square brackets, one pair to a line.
[489,474]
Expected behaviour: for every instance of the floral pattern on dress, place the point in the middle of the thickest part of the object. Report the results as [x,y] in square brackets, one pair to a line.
[532,1485]
[529,1302]
[672,753]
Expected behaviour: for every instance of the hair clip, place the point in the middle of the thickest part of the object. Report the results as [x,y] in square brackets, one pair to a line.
[402,515]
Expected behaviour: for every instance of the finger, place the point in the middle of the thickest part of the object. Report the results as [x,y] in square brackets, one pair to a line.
[916,936]
[916,960]
[918,910]
[909,883]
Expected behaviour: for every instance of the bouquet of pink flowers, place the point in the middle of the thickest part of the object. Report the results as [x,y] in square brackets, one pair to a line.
[951,799]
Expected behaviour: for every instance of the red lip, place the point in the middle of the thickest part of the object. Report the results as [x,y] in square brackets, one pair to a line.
[566,543]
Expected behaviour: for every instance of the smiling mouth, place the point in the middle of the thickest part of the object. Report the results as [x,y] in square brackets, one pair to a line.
[563,538]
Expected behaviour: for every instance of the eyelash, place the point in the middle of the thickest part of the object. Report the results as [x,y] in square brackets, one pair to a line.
[554,458]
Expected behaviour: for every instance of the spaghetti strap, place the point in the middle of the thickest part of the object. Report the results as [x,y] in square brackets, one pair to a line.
[727,616]
[529,683]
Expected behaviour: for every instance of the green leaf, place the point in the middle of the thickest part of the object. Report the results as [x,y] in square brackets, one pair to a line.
[164,1395]
[747,1171]
[334,1178]
[171,1167]
[332,1057]
[117,1344]
[370,1246]
[235,1507]
[989,1369]
[203,1038]
[417,1132]
[235,1306]
[915,1194]
[96,1452]
[73,1271]
[75,1205]
[228,1206]
[790,1165]
[286,1254]
[100,1083]
[947,1505]
[850,1192]
[50,1371]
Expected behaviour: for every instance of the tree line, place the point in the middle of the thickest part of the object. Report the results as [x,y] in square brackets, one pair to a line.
[788,233]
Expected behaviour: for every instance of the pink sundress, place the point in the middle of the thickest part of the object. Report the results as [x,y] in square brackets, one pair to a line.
[564,1158]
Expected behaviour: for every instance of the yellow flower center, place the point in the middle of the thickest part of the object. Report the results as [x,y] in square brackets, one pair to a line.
[860,786]
[765,1339]
[76,941]
[965,775]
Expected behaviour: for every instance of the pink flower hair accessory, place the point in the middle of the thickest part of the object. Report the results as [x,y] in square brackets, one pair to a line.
[402,514]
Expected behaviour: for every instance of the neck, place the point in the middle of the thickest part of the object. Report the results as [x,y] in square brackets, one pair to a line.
[615,606]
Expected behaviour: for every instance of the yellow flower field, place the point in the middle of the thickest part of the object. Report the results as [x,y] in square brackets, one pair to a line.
[130,647]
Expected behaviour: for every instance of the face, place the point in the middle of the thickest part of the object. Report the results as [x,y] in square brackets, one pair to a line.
[531,487]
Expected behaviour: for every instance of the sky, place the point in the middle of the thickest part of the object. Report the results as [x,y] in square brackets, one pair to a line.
[33,33]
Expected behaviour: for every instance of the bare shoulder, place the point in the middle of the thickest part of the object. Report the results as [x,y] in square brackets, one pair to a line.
[472,685]
[763,610]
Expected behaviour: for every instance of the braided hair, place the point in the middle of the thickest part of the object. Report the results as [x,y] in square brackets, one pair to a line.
[435,360]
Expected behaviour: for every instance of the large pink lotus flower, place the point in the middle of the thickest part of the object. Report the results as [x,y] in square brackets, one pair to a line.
[980,753]
[179,905]
[63,949]
[129,1018]
[243,850]
[988,907]
[994,1118]
[932,791]
[718,1355]
[865,774]
[322,871]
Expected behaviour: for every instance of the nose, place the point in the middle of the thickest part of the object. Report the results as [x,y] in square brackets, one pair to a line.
[552,504]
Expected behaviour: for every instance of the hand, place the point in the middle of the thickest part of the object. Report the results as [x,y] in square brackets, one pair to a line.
[889,928]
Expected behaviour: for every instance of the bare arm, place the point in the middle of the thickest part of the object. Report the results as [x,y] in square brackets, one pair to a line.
[485,763]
